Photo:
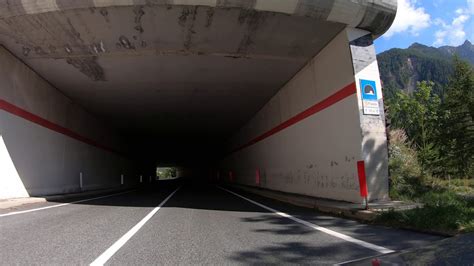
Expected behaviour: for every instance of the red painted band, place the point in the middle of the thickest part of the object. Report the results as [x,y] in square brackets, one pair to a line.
[331,100]
[15,110]
[362,179]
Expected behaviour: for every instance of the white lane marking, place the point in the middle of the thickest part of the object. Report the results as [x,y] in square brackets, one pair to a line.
[63,204]
[104,257]
[317,227]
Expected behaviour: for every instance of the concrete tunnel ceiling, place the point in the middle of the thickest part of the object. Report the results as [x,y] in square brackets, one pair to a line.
[177,70]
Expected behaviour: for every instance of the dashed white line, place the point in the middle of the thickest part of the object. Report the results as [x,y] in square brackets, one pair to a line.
[62,204]
[317,227]
[104,257]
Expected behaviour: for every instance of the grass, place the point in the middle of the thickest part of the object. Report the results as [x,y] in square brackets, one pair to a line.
[448,205]
[444,212]
[460,186]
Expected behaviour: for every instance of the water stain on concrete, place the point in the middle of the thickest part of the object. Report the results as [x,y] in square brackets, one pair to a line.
[248,4]
[39,51]
[52,49]
[190,29]
[26,51]
[68,49]
[138,18]
[209,17]
[89,67]
[125,43]
[252,20]
[98,48]
[105,14]
[184,16]
[139,28]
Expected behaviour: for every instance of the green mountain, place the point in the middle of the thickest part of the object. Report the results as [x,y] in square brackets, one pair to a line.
[403,68]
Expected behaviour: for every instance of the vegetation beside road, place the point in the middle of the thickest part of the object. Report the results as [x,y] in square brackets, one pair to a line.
[448,205]
[432,155]
[165,173]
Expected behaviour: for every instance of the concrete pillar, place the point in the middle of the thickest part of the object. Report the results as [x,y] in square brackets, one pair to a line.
[371,112]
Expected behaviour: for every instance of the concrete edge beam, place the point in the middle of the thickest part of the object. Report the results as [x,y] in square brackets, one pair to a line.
[375,16]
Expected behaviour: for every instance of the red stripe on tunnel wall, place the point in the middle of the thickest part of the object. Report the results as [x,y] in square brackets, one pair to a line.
[17,111]
[329,101]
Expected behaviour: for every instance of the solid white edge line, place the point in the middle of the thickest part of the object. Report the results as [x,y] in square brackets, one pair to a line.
[104,257]
[317,227]
[63,204]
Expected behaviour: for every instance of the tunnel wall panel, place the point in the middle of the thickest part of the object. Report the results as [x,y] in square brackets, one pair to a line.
[47,141]
[23,88]
[316,156]
[309,138]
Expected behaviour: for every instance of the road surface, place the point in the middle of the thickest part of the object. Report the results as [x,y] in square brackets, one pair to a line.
[198,224]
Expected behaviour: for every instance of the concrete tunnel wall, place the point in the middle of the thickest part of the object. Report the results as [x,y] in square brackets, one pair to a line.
[46,140]
[309,137]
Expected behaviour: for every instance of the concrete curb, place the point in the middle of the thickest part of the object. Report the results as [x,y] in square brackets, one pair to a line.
[17,202]
[344,209]
[86,193]
[339,208]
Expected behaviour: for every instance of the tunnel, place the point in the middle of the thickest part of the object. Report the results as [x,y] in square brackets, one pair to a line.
[277,95]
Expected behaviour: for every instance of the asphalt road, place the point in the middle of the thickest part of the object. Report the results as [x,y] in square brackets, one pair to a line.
[199,224]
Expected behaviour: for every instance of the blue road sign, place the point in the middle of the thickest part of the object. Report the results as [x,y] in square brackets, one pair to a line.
[368,89]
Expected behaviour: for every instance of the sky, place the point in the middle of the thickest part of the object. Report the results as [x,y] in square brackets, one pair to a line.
[430,22]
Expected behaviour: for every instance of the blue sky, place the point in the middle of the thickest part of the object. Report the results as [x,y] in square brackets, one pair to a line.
[430,22]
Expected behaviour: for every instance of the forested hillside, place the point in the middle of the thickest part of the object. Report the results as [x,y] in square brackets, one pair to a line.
[403,68]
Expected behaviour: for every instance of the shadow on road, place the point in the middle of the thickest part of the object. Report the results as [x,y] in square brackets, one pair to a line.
[292,253]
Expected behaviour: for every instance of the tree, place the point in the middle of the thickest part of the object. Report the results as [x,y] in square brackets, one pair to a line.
[456,139]
[418,115]
[166,172]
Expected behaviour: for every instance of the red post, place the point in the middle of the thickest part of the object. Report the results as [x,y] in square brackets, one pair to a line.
[257,177]
[375,262]
[231,176]
[363,182]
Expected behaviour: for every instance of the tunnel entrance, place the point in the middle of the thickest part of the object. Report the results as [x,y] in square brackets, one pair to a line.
[112,90]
